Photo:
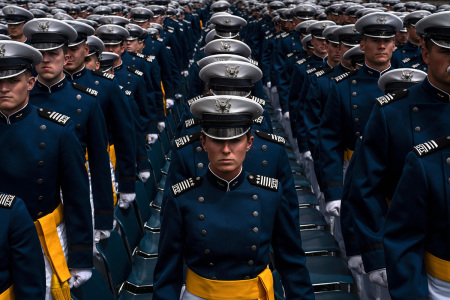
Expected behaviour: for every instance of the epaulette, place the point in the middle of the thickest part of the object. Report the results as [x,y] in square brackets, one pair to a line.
[140,55]
[185,185]
[312,70]
[186,21]
[431,146]
[278,35]
[187,139]
[201,49]
[84,89]
[344,76]
[170,30]
[160,40]
[169,27]
[285,34]
[207,30]
[253,62]
[302,61]
[191,122]
[408,59]
[269,36]
[263,181]
[53,116]
[104,75]
[6,200]
[323,72]
[259,101]
[391,97]
[267,32]
[168,47]
[181,29]
[128,93]
[271,137]
[137,72]
[190,101]
[416,65]
[259,120]
[292,53]
[150,58]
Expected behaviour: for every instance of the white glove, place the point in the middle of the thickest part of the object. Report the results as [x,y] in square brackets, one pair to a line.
[101,235]
[185,73]
[191,61]
[333,208]
[269,85]
[145,175]
[161,126]
[286,116]
[178,96]
[379,277]
[169,103]
[125,199]
[79,276]
[307,155]
[152,137]
[355,263]
[274,89]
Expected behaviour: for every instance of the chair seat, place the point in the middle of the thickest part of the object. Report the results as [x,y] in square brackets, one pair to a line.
[154,221]
[311,218]
[149,244]
[317,241]
[307,199]
[335,295]
[127,295]
[300,181]
[142,272]
[328,270]
[157,202]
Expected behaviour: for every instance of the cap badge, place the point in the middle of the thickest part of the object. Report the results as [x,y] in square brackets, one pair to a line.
[324,25]
[2,50]
[12,10]
[407,76]
[140,11]
[354,30]
[128,27]
[110,20]
[227,21]
[43,26]
[110,29]
[222,106]
[225,46]
[381,19]
[232,72]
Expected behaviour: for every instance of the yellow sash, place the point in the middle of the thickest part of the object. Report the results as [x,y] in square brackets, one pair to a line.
[8,294]
[164,97]
[437,267]
[260,288]
[348,155]
[48,236]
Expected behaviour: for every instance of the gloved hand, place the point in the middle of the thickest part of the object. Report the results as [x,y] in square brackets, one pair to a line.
[333,208]
[101,235]
[185,73]
[286,116]
[307,155]
[269,85]
[161,126]
[191,61]
[152,137]
[178,96]
[355,263]
[379,277]
[145,175]
[79,276]
[274,89]
[125,199]
[169,103]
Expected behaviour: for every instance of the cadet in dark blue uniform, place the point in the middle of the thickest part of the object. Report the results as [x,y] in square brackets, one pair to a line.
[398,122]
[416,236]
[193,220]
[16,17]
[43,161]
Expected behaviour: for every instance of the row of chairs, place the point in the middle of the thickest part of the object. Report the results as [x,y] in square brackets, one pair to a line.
[126,260]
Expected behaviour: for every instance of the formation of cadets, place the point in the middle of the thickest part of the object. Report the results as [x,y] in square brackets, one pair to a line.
[210,123]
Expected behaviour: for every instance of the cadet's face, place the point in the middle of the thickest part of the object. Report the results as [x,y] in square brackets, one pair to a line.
[412,35]
[117,49]
[91,62]
[14,92]
[334,53]
[75,57]
[378,52]
[226,156]
[50,70]
[140,47]
[15,30]
[131,46]
[401,37]
[438,60]
[320,46]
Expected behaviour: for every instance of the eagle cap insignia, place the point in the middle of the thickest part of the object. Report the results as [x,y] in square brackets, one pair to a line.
[110,20]
[232,72]
[128,27]
[43,26]
[381,19]
[225,46]
[109,29]
[407,76]
[140,11]
[227,21]
[2,50]
[354,30]
[223,106]
[12,10]
[324,25]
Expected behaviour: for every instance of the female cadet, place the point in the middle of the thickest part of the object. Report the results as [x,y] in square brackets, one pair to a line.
[222,223]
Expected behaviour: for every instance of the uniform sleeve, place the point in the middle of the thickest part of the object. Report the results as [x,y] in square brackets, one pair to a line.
[405,232]
[367,200]
[145,97]
[142,161]
[288,73]
[77,207]
[99,168]
[298,97]
[312,109]
[168,275]
[331,152]
[27,261]
[290,258]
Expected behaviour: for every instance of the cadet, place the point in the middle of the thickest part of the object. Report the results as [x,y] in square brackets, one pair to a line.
[221,194]
[16,17]
[43,162]
[53,91]
[420,213]
[398,122]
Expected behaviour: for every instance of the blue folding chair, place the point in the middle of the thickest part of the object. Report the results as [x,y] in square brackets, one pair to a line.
[329,273]
[319,242]
[129,227]
[335,295]
[95,288]
[311,218]
[306,198]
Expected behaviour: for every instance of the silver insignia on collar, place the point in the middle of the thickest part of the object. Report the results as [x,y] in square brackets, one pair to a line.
[407,76]
[225,46]
[222,106]
[381,19]
[43,26]
[2,50]
[232,72]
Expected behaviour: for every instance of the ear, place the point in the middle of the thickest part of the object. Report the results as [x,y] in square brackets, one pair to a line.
[250,142]
[425,53]
[203,140]
[362,44]
[30,83]
[86,49]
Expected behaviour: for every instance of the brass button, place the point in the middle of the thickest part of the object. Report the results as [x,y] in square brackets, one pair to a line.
[415,110]
[198,149]
[448,160]
[264,163]
[264,147]
[78,126]
[354,94]
[254,248]
[356,120]
[207,251]
[40,163]
[79,111]
[40,181]
[201,199]
[129,75]
[40,198]
[211,264]
[353,81]
[43,127]
[42,145]
[357,133]
[255,214]
[250,262]
[255,197]
[417,129]
[355,106]
[201,217]
[255,230]
[96,82]
[40,213]
[128,83]
[78,97]
[200,166]
[203,232]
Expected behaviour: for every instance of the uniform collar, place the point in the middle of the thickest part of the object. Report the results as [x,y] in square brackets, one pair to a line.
[17,116]
[343,68]
[76,75]
[119,67]
[318,58]
[374,73]
[224,185]
[435,92]
[54,87]
[411,45]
